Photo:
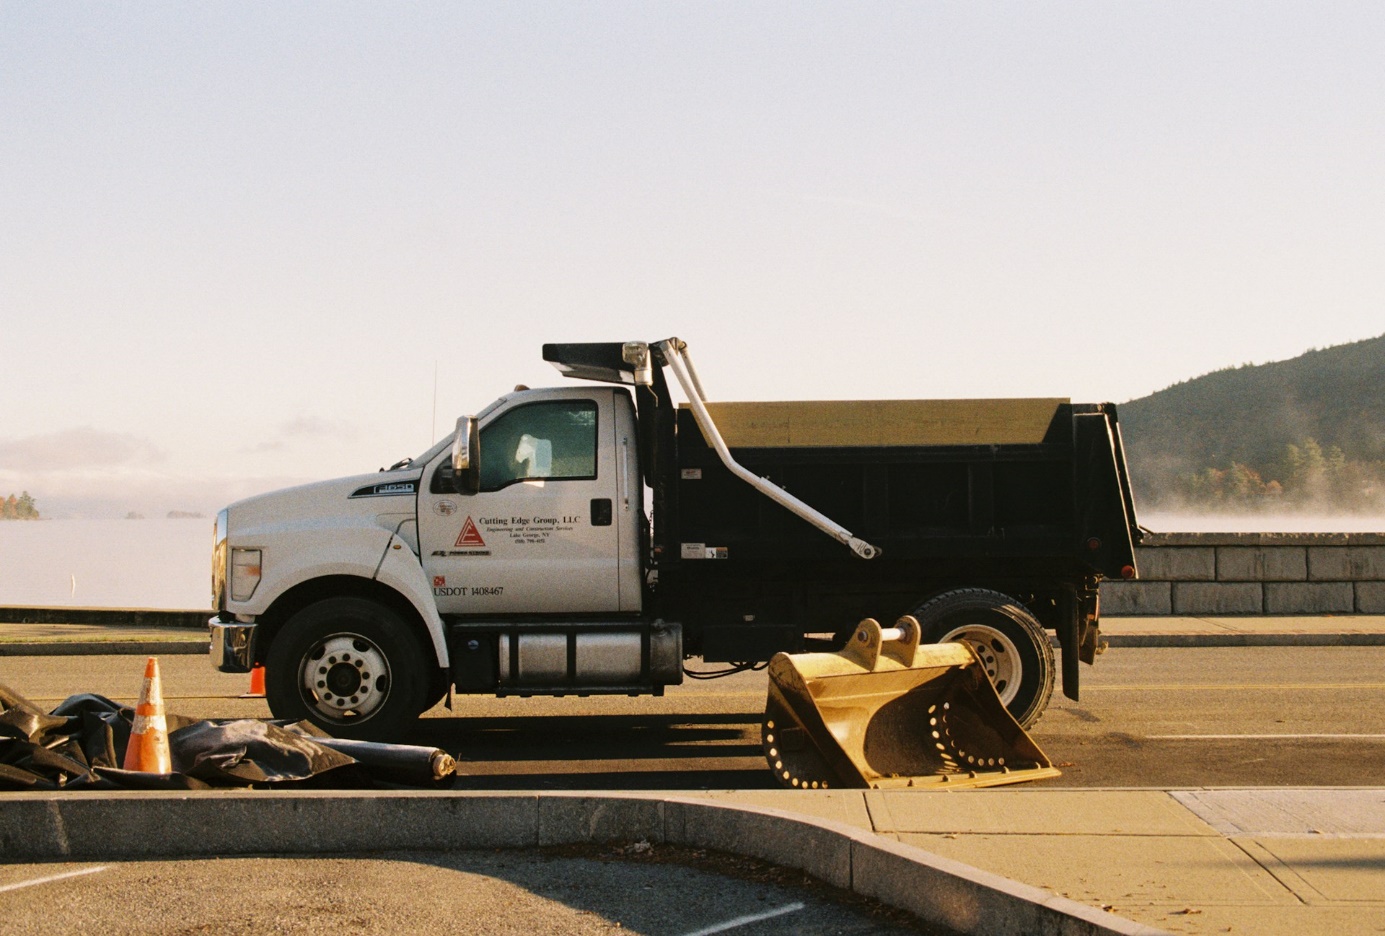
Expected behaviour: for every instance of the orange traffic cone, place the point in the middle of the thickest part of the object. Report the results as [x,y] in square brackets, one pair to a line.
[148,748]
[256,683]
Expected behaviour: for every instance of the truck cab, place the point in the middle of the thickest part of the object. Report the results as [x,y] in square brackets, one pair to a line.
[555,525]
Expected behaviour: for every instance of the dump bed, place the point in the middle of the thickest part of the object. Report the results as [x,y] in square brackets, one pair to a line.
[1028,477]
[1023,495]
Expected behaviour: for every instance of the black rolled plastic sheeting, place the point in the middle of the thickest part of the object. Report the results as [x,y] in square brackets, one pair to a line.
[396,763]
[81,744]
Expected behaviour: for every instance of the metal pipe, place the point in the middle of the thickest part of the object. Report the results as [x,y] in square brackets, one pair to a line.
[675,352]
[682,352]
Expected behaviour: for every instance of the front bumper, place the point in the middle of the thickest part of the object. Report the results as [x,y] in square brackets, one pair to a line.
[232,646]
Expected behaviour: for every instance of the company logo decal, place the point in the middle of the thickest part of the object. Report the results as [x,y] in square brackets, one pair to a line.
[444,508]
[439,581]
[470,536]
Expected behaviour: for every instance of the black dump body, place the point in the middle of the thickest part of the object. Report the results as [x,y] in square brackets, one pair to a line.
[1034,519]
[1027,497]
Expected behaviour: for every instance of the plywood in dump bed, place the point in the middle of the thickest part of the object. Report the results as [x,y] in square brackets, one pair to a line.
[884,422]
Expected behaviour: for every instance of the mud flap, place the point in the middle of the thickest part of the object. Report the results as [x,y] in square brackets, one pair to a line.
[886,712]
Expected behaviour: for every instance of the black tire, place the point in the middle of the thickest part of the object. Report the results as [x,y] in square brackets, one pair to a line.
[1011,643]
[350,666]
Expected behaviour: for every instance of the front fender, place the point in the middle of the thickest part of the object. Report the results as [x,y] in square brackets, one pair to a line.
[292,553]
[299,551]
[401,571]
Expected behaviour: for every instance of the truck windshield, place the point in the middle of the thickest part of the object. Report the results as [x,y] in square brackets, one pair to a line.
[418,461]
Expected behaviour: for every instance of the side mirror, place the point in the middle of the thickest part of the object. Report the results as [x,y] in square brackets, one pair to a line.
[466,456]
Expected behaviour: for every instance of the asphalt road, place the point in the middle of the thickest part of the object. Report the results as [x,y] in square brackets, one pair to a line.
[1310,716]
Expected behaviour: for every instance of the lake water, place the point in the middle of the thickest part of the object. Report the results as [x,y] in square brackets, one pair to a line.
[106,563]
[167,563]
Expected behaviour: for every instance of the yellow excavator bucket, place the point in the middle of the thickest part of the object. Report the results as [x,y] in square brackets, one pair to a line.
[887,712]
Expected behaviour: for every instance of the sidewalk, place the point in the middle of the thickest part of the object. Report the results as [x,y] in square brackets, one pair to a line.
[1255,861]
[95,639]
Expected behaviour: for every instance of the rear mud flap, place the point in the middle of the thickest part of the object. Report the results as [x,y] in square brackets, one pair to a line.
[886,712]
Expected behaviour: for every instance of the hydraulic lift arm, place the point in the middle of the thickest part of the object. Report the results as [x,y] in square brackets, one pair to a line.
[675,353]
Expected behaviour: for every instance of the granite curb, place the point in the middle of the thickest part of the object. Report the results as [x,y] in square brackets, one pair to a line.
[106,826]
[1244,640]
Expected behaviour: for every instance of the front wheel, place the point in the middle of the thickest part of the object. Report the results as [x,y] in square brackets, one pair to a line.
[1012,645]
[350,666]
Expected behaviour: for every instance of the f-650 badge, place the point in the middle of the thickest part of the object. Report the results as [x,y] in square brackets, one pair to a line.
[387,489]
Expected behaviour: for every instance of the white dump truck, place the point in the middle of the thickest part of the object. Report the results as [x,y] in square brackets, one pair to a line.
[589,539]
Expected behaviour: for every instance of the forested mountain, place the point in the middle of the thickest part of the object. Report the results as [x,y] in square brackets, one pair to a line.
[1307,430]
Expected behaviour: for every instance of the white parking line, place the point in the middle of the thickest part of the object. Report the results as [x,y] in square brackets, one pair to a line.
[1265,737]
[53,877]
[743,920]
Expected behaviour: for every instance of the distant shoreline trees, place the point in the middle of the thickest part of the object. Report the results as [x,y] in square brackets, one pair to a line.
[1305,476]
[18,508]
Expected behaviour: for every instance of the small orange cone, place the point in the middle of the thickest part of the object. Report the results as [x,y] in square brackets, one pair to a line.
[148,748]
[256,683]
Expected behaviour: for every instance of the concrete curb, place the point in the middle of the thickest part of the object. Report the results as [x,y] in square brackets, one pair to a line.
[110,826]
[103,648]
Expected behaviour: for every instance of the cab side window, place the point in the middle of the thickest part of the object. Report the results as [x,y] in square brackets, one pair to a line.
[555,441]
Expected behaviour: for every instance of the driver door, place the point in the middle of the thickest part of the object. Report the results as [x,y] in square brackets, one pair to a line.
[538,537]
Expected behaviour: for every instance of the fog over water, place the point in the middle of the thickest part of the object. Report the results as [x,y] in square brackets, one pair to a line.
[167,563]
[106,563]
[1288,522]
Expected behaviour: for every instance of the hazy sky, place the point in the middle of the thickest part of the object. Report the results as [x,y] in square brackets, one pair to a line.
[236,237]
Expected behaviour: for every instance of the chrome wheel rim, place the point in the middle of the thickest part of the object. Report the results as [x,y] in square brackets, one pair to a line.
[998,653]
[344,678]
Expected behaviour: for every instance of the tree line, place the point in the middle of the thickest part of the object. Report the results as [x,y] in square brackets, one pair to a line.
[1305,475]
[18,508]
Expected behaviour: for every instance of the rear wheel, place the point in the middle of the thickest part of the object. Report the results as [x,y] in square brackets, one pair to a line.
[350,666]
[1012,645]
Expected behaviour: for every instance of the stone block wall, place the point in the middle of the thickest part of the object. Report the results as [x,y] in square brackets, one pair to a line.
[1253,573]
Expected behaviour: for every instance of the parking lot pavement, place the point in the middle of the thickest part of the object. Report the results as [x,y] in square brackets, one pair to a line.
[655,889]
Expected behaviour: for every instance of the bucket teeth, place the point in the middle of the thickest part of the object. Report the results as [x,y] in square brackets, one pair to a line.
[925,718]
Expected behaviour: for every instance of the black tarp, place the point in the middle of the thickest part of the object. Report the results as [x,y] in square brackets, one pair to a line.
[81,744]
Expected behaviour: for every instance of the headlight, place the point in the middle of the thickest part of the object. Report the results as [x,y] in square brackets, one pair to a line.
[245,573]
[219,562]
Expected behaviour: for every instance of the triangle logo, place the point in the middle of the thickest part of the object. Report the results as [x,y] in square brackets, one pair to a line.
[470,536]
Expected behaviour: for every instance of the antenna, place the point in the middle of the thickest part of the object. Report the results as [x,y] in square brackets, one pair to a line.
[434,427]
